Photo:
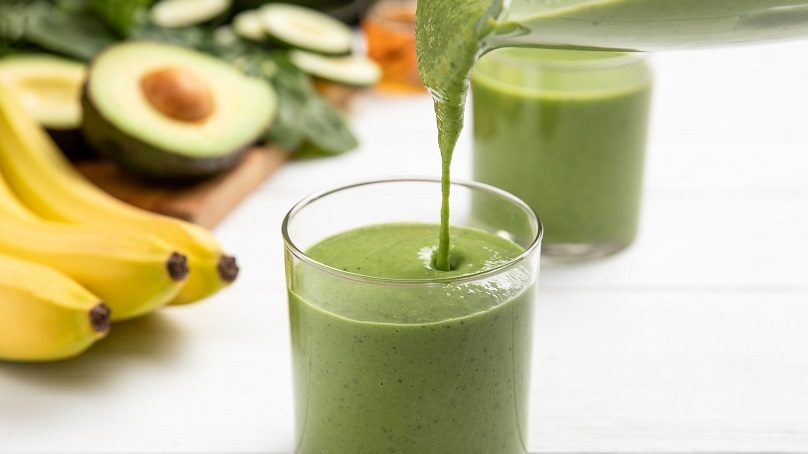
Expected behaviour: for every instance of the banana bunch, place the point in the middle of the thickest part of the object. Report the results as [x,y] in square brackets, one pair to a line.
[130,270]
[66,245]
[48,184]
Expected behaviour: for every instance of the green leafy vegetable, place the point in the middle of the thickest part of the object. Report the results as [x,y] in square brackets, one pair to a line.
[12,21]
[79,34]
[292,86]
[304,116]
[325,127]
[121,15]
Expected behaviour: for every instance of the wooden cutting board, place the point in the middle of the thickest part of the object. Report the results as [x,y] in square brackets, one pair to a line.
[207,202]
[204,203]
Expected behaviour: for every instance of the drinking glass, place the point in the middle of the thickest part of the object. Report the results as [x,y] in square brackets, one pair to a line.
[410,365]
[565,131]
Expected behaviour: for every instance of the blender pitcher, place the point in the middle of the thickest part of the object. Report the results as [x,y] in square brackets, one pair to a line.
[644,25]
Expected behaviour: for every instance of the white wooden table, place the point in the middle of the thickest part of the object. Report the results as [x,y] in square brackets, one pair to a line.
[693,340]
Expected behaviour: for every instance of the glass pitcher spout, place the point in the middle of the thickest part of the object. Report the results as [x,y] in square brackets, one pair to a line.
[642,25]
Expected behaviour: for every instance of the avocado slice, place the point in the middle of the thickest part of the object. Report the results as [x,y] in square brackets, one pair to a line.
[48,86]
[170,113]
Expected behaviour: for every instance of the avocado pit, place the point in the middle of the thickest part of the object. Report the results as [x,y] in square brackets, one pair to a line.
[178,93]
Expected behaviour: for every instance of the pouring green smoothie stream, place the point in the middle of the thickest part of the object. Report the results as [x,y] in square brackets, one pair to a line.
[452,35]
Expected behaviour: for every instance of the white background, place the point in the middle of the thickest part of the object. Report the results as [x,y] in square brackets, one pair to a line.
[693,340]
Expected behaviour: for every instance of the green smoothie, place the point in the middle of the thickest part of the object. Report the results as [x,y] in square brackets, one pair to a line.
[399,366]
[565,131]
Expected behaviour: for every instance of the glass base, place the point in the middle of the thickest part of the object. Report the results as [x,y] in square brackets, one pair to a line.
[581,252]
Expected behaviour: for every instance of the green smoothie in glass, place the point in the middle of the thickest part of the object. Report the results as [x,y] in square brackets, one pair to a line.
[565,131]
[391,354]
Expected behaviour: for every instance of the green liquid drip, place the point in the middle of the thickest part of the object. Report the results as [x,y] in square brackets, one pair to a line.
[442,260]
[450,123]
[447,45]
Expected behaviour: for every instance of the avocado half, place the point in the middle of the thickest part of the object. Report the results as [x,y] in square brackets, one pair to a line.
[170,113]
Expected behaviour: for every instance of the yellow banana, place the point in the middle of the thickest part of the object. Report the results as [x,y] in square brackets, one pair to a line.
[44,315]
[132,271]
[52,188]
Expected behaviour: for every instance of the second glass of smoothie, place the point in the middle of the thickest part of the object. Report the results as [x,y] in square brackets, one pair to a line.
[389,353]
[565,131]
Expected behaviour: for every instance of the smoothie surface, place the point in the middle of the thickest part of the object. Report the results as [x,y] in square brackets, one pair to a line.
[406,252]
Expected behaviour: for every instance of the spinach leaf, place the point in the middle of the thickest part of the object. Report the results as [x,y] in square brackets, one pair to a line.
[287,130]
[326,128]
[77,35]
[12,21]
[290,85]
[121,15]
[303,115]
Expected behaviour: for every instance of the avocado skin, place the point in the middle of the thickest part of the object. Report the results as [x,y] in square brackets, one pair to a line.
[146,160]
[72,144]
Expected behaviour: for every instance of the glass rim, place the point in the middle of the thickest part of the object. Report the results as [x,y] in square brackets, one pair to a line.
[428,282]
[505,55]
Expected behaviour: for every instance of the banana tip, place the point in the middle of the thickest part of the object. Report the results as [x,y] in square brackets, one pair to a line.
[177,266]
[99,318]
[227,268]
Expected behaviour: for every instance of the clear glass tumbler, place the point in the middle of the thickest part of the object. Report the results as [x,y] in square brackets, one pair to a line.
[565,131]
[405,364]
